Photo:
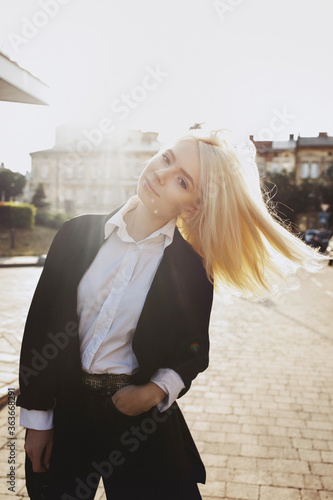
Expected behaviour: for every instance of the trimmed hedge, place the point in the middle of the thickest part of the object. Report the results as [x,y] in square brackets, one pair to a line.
[52,220]
[18,215]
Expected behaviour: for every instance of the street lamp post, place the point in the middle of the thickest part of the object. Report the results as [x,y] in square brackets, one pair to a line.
[57,185]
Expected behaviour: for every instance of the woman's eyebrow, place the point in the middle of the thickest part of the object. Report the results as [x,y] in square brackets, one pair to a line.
[172,154]
[183,171]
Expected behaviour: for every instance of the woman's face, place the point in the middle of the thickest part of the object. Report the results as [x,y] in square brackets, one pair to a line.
[169,185]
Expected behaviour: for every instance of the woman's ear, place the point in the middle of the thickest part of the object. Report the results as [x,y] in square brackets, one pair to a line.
[189,212]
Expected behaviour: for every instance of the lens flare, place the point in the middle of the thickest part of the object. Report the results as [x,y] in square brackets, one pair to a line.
[194,347]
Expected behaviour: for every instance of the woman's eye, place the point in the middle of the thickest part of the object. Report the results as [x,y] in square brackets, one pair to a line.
[182,183]
[166,159]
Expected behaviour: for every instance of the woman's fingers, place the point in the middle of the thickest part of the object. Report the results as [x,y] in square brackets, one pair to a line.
[37,462]
[38,447]
[134,400]
[47,455]
[128,400]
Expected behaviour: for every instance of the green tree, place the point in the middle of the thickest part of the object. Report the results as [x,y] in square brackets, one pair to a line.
[281,190]
[327,197]
[290,200]
[307,197]
[39,198]
[11,184]
[329,172]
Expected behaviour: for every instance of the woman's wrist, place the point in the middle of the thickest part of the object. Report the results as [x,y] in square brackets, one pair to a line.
[155,393]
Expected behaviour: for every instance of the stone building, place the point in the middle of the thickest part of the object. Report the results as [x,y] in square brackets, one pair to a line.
[314,159]
[306,159]
[86,172]
[275,156]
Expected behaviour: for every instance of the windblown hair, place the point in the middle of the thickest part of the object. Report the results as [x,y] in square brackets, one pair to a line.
[244,245]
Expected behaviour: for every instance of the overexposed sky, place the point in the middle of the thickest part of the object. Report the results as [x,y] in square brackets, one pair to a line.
[261,67]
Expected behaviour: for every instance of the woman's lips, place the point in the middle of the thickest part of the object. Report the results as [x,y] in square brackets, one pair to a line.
[150,187]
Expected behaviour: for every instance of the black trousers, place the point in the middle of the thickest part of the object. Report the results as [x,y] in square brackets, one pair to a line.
[138,458]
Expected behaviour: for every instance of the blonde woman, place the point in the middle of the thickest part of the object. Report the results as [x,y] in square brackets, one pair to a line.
[118,326]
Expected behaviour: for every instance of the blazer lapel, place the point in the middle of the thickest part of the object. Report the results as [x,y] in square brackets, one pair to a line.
[89,241]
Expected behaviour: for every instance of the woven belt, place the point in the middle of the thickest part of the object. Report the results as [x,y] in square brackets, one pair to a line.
[106,383]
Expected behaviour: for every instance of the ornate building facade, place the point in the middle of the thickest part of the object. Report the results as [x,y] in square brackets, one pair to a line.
[83,174]
[314,159]
[275,156]
[306,157]
[90,171]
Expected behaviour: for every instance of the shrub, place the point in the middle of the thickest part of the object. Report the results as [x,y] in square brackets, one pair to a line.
[52,220]
[18,215]
[4,215]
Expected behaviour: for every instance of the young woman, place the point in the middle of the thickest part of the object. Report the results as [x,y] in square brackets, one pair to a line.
[118,326]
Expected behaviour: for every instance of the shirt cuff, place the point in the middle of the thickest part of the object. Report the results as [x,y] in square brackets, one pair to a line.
[171,383]
[39,420]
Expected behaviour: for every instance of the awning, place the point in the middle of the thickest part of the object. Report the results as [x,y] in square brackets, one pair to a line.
[18,85]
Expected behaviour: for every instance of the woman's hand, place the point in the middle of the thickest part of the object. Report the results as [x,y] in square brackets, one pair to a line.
[38,446]
[135,399]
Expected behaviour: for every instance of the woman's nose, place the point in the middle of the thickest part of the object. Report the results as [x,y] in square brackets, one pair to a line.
[161,175]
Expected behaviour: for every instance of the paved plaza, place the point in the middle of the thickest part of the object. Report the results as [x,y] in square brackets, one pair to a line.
[261,415]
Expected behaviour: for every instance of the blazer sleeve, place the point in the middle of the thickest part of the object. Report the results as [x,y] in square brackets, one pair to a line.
[191,355]
[37,362]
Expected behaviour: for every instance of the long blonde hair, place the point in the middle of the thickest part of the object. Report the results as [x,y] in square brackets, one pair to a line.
[243,244]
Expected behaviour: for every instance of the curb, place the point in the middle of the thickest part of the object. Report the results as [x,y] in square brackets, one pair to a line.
[20,265]
[22,261]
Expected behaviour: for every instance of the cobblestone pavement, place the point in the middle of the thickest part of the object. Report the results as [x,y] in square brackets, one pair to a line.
[261,415]
[17,287]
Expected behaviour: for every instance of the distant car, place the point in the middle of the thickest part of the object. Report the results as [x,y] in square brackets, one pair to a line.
[317,238]
[329,251]
[309,235]
[322,238]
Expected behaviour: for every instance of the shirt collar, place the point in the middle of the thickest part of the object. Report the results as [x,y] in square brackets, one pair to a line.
[117,220]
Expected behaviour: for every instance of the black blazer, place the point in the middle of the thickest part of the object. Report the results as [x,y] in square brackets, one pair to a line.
[172,331]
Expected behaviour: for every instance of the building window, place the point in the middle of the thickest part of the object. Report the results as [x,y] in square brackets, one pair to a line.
[68,194]
[69,206]
[305,170]
[128,169]
[128,192]
[107,198]
[107,173]
[138,170]
[275,167]
[314,170]
[68,174]
[95,173]
[80,197]
[45,171]
[80,172]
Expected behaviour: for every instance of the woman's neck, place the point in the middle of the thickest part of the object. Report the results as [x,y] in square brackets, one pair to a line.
[140,222]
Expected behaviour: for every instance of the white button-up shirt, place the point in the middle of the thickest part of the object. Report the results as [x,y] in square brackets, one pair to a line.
[110,298]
